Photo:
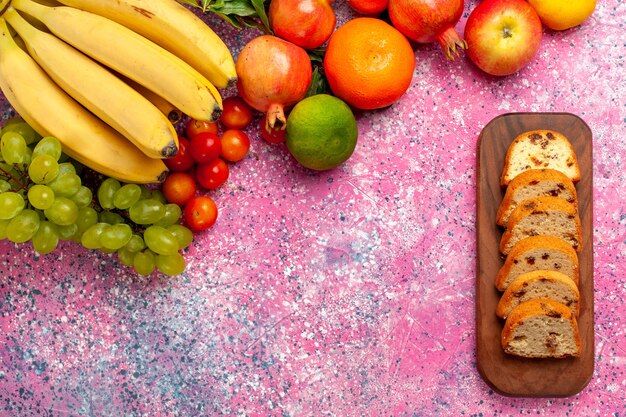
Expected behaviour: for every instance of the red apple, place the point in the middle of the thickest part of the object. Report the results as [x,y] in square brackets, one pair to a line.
[502,36]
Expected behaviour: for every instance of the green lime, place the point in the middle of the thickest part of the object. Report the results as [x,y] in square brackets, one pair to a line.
[321,132]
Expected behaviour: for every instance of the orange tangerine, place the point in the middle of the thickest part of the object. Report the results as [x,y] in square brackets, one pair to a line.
[368,63]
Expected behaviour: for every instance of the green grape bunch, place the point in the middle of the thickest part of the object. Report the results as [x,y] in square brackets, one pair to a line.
[44,199]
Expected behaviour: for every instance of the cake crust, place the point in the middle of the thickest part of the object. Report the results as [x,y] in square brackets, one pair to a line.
[541,328]
[538,252]
[535,183]
[543,216]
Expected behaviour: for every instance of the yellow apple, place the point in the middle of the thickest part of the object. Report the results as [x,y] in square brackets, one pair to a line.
[563,14]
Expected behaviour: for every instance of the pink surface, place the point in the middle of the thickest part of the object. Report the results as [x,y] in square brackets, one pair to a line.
[343,293]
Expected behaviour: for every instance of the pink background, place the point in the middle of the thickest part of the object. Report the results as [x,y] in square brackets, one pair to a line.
[344,293]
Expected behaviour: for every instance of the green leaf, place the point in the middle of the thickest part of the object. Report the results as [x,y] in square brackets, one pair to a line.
[317,55]
[259,6]
[319,83]
[239,13]
[236,8]
[230,19]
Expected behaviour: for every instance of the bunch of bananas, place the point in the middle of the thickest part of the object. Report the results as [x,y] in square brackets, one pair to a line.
[104,75]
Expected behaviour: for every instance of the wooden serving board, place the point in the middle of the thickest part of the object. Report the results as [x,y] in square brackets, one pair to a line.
[510,375]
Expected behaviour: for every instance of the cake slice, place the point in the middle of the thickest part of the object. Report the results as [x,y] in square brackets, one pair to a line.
[538,252]
[541,328]
[540,149]
[535,183]
[539,284]
[543,216]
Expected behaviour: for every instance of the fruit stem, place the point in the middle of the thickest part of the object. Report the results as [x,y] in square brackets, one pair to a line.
[275,118]
[450,41]
[18,181]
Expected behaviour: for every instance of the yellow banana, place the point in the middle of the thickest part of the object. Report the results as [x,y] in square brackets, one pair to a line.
[52,3]
[175,28]
[132,55]
[52,112]
[99,90]
[172,113]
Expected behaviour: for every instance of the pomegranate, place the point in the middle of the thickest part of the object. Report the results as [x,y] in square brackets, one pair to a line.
[427,21]
[307,23]
[369,7]
[273,74]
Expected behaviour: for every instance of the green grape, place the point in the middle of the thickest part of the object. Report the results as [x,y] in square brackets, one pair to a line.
[91,237]
[23,226]
[183,235]
[170,264]
[107,250]
[40,196]
[116,236]
[106,191]
[110,217]
[48,146]
[125,256]
[145,192]
[83,197]
[3,228]
[28,157]
[171,216]
[87,217]
[24,129]
[126,196]
[68,232]
[135,244]
[158,196]
[160,240]
[62,212]
[46,239]
[144,262]
[65,185]
[66,168]
[11,203]
[13,148]
[43,169]
[146,211]
[4,186]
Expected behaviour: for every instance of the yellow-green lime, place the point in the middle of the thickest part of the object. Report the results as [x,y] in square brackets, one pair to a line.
[321,132]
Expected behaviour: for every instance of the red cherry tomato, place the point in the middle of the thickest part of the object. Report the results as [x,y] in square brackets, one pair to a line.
[198,126]
[272,135]
[235,145]
[205,147]
[179,188]
[183,160]
[213,174]
[236,113]
[200,213]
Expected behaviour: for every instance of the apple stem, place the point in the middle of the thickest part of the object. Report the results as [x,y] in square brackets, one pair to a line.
[451,43]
